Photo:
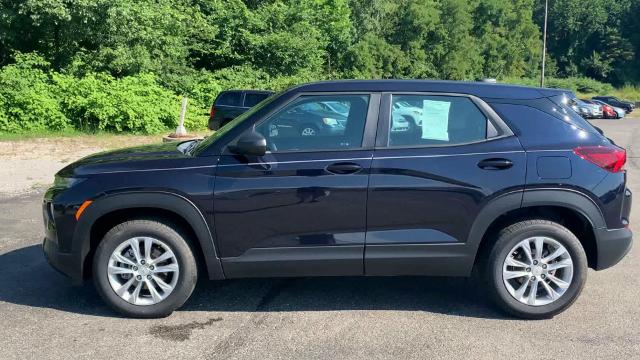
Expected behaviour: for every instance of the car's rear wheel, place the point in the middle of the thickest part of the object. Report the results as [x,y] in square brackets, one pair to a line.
[144,268]
[536,269]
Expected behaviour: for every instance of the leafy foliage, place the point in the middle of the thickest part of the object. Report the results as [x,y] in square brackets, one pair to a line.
[122,65]
[35,98]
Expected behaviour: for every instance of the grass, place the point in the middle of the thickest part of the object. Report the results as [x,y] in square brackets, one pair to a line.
[628,92]
[38,134]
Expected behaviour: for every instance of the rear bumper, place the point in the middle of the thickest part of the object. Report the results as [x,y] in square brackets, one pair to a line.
[612,245]
[66,263]
[214,124]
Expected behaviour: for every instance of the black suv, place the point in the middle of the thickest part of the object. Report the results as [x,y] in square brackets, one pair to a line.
[506,182]
[232,103]
[628,106]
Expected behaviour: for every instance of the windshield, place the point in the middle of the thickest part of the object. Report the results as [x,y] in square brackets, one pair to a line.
[223,130]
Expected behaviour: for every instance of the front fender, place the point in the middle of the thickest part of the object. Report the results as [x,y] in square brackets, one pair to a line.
[175,203]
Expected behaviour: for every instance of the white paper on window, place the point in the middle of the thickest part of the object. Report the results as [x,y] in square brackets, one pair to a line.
[435,120]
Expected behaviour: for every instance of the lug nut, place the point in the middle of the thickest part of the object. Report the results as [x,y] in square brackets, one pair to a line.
[135,268]
[528,269]
[544,266]
[142,262]
[148,277]
[532,278]
[535,262]
[543,276]
[139,277]
[151,267]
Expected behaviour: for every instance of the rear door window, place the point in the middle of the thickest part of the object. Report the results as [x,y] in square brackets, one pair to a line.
[252,99]
[230,98]
[433,120]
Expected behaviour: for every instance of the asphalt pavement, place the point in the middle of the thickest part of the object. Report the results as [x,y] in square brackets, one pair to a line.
[42,316]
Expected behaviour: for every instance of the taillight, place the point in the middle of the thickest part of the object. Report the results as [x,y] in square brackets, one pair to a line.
[213,111]
[610,158]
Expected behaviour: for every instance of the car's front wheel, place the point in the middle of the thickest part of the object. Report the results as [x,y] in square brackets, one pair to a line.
[144,268]
[536,269]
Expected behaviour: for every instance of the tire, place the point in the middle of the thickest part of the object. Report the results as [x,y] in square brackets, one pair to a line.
[496,265]
[144,305]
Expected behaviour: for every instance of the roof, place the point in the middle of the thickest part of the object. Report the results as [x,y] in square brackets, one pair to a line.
[479,89]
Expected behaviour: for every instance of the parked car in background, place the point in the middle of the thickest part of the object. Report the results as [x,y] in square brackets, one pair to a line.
[336,106]
[231,103]
[411,112]
[400,124]
[610,112]
[581,108]
[318,121]
[628,106]
[503,182]
[595,109]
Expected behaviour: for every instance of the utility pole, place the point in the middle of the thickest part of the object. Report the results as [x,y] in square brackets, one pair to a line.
[544,41]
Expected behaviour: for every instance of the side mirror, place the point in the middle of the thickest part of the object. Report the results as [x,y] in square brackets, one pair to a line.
[251,143]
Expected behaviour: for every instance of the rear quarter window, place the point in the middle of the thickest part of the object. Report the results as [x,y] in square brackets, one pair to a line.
[560,107]
[230,98]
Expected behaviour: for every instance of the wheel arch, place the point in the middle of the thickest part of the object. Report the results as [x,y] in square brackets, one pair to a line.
[173,207]
[571,208]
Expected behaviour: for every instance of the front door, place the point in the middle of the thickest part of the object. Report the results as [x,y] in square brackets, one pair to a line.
[430,182]
[300,209]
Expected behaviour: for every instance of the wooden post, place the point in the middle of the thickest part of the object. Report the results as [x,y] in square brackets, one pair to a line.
[181,131]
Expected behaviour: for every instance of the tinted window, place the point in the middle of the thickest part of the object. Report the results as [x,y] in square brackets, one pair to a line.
[307,125]
[420,120]
[230,98]
[563,111]
[252,99]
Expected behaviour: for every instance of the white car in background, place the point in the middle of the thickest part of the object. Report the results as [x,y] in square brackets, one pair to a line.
[413,114]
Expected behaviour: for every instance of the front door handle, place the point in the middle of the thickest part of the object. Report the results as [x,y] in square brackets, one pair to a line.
[495,164]
[343,168]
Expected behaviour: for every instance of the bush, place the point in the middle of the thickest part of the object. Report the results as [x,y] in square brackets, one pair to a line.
[582,85]
[28,100]
[35,98]
[135,104]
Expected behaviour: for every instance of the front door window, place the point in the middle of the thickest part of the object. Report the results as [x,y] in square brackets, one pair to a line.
[316,123]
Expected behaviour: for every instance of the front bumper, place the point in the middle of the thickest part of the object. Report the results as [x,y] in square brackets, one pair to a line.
[66,263]
[612,245]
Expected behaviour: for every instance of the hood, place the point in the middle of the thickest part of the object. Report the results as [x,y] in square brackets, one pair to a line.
[156,156]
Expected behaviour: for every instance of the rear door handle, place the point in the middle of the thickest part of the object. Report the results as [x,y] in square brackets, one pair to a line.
[343,168]
[495,164]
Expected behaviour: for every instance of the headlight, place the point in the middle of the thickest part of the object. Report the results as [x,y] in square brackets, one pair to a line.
[330,121]
[66,182]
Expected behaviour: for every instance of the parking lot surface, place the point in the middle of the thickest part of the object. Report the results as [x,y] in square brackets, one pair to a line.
[43,316]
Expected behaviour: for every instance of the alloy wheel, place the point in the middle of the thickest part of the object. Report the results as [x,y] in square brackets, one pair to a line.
[143,271]
[308,131]
[537,271]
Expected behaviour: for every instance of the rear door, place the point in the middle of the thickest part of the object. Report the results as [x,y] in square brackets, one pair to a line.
[301,208]
[429,184]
